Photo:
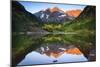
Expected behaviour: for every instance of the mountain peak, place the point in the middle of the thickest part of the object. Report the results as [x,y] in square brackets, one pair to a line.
[54,14]
[55,9]
[74,13]
[48,9]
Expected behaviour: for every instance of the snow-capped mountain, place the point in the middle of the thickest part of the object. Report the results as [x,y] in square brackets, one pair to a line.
[53,15]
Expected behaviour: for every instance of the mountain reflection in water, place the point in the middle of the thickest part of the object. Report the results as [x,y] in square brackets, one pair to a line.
[53,54]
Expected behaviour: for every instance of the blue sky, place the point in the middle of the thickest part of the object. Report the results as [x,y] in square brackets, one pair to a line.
[35,6]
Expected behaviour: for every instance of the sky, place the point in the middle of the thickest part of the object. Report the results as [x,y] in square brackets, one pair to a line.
[44,59]
[34,7]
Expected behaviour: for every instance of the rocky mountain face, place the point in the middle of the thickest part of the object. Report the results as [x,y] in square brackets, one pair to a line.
[73,13]
[53,15]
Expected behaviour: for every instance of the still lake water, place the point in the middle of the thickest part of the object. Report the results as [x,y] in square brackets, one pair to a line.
[53,48]
[53,54]
[37,58]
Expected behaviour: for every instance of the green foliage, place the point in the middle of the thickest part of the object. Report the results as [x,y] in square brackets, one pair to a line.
[22,20]
[52,27]
[20,42]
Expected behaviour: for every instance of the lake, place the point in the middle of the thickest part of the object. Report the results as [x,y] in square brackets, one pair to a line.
[53,48]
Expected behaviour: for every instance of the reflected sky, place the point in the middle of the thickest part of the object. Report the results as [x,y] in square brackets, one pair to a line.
[38,58]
